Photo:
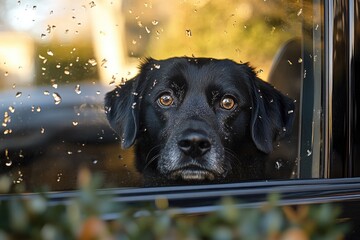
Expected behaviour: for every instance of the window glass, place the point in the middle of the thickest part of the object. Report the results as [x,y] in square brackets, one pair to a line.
[59,58]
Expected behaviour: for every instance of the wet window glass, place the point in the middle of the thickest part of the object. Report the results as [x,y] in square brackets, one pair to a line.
[58,59]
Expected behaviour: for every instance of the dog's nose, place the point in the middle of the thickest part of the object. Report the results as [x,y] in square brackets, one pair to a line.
[194,144]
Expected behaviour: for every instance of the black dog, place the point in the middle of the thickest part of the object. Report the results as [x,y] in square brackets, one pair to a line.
[199,120]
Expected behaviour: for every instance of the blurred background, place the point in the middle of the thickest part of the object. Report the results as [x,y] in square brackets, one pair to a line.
[58,59]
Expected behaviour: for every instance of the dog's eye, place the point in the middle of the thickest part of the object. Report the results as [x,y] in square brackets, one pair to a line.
[227,103]
[165,100]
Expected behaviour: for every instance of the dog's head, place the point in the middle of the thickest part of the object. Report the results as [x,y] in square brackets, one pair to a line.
[199,118]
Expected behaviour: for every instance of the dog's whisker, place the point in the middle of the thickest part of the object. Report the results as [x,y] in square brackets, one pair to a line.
[151,150]
[151,161]
[148,162]
[231,154]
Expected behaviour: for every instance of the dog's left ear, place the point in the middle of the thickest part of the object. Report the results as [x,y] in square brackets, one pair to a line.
[272,115]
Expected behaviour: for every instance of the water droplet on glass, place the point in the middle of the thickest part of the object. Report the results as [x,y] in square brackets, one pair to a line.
[59,177]
[300,60]
[95,161]
[289,62]
[18,94]
[42,130]
[38,109]
[147,30]
[69,152]
[308,153]
[278,165]
[50,53]
[92,4]
[155,22]
[290,111]
[157,66]
[103,62]
[77,89]
[92,62]
[98,92]
[11,109]
[299,12]
[57,98]
[46,93]
[75,123]
[7,131]
[188,32]
[8,163]
[55,85]
[58,65]
[66,72]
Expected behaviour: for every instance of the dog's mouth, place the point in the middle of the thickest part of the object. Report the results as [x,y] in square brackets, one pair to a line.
[192,173]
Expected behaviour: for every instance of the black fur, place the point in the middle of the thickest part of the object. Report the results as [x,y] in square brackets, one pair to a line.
[194,139]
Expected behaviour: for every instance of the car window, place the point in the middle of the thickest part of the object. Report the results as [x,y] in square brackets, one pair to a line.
[58,59]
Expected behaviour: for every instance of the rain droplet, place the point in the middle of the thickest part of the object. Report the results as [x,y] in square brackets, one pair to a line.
[42,130]
[69,152]
[308,152]
[95,161]
[157,66]
[278,165]
[92,4]
[55,85]
[92,62]
[46,93]
[289,62]
[98,92]
[147,30]
[57,98]
[7,131]
[50,53]
[38,109]
[75,123]
[188,32]
[155,22]
[18,94]
[77,89]
[59,177]
[58,65]
[103,62]
[299,12]
[290,111]
[11,109]
[66,72]
[300,60]
[8,163]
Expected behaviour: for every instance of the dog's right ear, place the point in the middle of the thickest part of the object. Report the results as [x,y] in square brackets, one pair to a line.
[122,111]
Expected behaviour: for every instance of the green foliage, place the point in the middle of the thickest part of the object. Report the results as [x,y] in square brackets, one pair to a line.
[33,217]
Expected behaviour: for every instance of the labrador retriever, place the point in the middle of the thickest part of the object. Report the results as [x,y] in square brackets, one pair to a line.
[199,120]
